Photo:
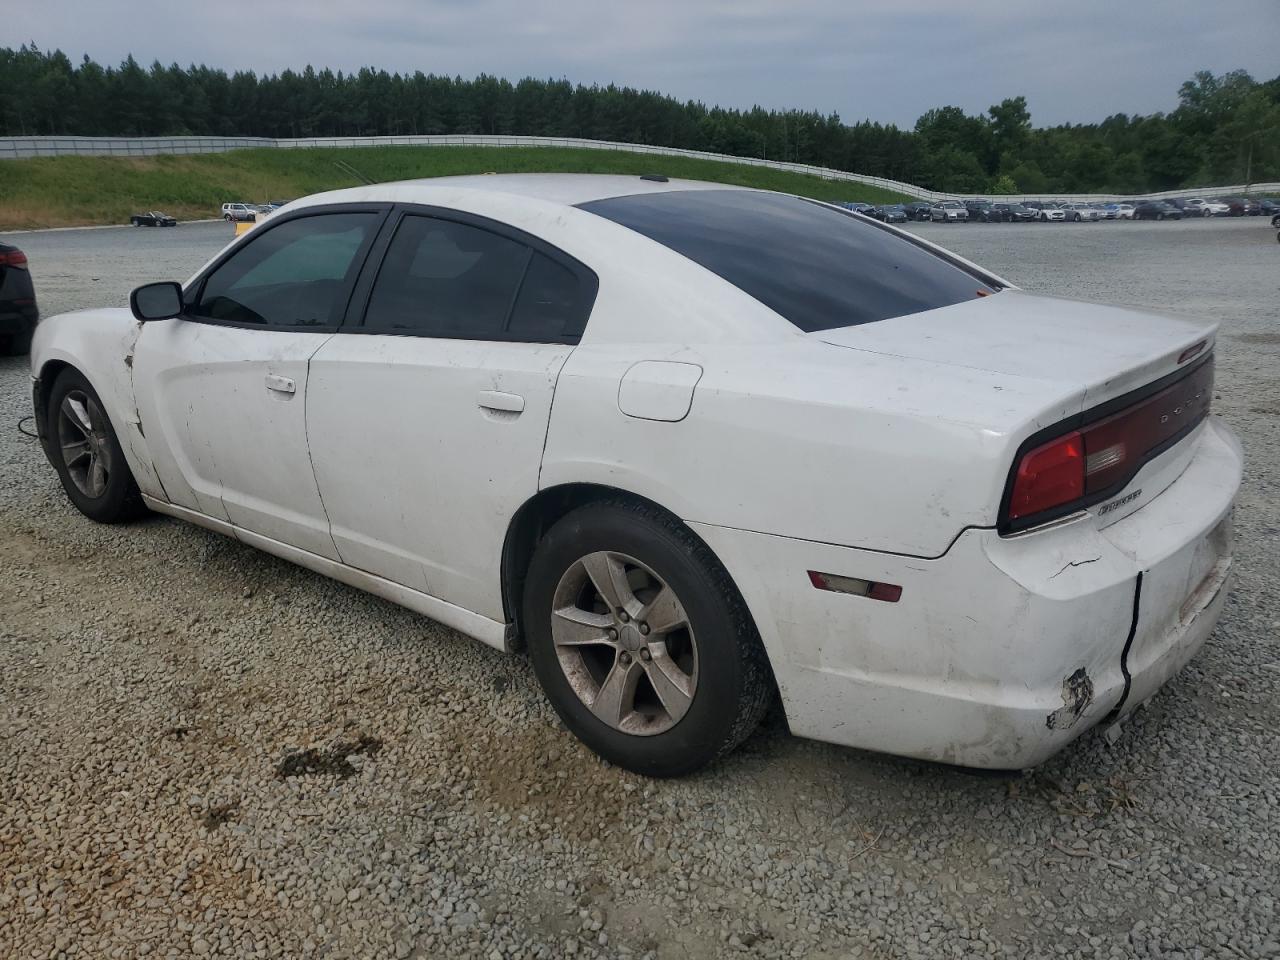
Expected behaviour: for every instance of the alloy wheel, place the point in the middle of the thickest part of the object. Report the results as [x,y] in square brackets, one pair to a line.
[82,440]
[624,642]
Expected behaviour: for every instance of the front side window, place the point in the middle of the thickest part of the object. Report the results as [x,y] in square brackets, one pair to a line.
[294,274]
[442,278]
[814,265]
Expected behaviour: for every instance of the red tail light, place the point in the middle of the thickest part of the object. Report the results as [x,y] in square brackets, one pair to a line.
[1049,476]
[14,258]
[1096,460]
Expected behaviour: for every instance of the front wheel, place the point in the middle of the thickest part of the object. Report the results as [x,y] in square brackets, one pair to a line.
[641,641]
[86,452]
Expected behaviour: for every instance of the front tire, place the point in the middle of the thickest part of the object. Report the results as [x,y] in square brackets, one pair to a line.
[86,453]
[641,641]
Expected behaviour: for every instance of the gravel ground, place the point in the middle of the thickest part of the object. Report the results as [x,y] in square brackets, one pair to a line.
[206,751]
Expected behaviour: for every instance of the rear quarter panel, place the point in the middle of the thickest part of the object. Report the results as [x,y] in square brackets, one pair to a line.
[805,440]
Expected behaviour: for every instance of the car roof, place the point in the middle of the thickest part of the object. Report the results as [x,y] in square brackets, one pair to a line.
[569,189]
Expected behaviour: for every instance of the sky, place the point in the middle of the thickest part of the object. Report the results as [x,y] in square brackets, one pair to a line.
[1076,61]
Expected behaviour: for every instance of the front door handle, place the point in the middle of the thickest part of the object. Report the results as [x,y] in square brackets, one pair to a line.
[281,384]
[501,402]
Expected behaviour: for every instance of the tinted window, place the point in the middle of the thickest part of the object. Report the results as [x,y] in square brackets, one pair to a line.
[294,274]
[446,279]
[547,306]
[441,278]
[816,266]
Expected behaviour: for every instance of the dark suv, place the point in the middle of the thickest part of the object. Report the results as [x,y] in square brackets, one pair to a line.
[1015,212]
[18,313]
[982,210]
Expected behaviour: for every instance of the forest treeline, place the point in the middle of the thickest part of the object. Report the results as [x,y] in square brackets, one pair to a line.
[1225,129]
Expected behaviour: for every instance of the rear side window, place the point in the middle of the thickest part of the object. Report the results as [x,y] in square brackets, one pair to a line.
[548,300]
[443,278]
[814,265]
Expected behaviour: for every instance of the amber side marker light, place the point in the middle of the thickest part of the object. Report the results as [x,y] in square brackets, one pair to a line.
[888,592]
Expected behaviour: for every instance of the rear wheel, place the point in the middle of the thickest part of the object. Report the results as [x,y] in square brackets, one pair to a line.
[86,453]
[641,641]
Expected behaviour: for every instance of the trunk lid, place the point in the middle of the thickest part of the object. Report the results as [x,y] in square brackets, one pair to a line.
[1106,351]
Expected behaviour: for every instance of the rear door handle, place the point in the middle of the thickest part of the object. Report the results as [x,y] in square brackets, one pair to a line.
[501,402]
[280,384]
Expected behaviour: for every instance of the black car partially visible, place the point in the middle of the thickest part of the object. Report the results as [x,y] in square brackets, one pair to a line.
[1014,212]
[1156,210]
[917,210]
[18,313]
[981,210]
[891,213]
[153,218]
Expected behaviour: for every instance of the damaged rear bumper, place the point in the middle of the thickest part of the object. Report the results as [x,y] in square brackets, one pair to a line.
[1004,650]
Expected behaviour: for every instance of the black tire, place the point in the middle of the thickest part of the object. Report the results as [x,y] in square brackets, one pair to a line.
[120,500]
[734,684]
[16,344]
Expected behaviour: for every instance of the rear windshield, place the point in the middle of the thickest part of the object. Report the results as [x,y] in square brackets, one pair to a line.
[815,265]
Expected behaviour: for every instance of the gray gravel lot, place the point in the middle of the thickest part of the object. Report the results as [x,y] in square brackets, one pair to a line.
[159,686]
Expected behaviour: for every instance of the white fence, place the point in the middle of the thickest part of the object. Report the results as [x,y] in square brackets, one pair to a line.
[17,147]
[14,147]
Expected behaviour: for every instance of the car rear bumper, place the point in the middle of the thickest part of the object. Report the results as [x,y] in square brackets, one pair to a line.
[1005,649]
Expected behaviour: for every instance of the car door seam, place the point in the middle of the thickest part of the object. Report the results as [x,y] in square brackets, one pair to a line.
[306,437]
[551,408]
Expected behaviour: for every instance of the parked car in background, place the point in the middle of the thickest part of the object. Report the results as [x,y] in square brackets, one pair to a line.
[1051,211]
[18,311]
[1081,212]
[893,213]
[1236,206]
[1214,207]
[918,210]
[684,516]
[1122,211]
[239,212]
[982,210]
[153,218]
[857,206]
[1194,207]
[1269,206]
[948,211]
[1156,210]
[1015,212]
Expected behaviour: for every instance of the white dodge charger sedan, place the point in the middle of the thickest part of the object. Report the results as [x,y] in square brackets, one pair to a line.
[696,448]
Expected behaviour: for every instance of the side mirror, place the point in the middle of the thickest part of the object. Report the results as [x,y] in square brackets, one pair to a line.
[156,301]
